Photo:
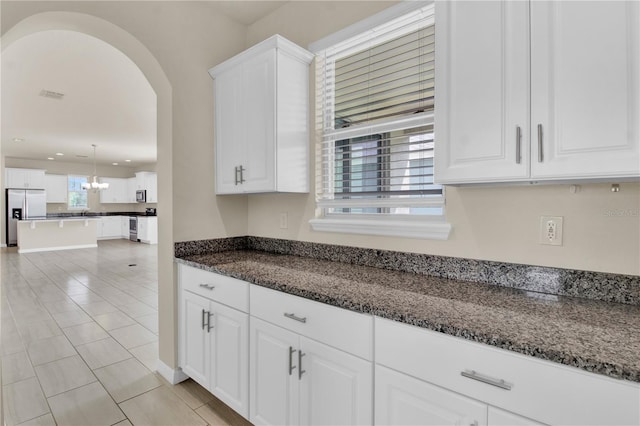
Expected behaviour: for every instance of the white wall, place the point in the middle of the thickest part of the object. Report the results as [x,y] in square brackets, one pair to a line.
[601,228]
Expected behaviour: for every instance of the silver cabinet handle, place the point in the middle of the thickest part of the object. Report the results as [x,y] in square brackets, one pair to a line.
[208,286]
[239,174]
[540,156]
[291,366]
[518,145]
[484,379]
[300,370]
[203,319]
[209,326]
[294,317]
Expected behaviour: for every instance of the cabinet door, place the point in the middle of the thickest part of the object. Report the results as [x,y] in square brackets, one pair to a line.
[16,178]
[35,179]
[124,227]
[258,112]
[143,229]
[110,227]
[230,357]
[335,387]
[56,187]
[273,374]
[194,337]
[131,186]
[107,195]
[152,187]
[482,95]
[229,130]
[499,417]
[404,400]
[585,88]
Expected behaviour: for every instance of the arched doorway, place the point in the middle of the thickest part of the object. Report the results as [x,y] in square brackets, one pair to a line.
[150,67]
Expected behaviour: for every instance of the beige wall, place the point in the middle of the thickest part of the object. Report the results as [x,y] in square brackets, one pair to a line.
[601,228]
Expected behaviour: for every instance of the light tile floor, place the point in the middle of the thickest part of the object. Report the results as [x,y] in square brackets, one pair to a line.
[79,342]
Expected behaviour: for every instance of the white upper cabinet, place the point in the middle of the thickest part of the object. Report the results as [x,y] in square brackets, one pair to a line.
[117,191]
[585,89]
[261,119]
[539,91]
[149,182]
[24,178]
[56,187]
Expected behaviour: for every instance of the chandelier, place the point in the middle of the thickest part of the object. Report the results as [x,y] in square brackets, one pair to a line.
[94,184]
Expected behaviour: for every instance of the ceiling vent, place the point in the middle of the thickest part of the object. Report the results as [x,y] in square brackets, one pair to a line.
[50,94]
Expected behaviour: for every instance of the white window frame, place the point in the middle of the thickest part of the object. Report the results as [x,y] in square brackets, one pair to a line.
[398,225]
[69,206]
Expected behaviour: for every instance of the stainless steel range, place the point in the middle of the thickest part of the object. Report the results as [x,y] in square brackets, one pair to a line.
[133,228]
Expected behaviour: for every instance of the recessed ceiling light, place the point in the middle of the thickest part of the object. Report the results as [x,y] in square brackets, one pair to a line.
[115,164]
[59,154]
[127,161]
[50,158]
[18,139]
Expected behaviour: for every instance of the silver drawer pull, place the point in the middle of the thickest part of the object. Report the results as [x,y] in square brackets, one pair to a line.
[484,379]
[208,286]
[294,317]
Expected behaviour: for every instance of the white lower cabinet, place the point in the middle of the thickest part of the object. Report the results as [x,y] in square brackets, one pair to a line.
[546,392]
[405,400]
[498,417]
[109,227]
[296,380]
[274,385]
[310,363]
[214,337]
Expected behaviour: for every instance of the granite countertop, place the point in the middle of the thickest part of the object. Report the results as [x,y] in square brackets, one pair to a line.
[593,335]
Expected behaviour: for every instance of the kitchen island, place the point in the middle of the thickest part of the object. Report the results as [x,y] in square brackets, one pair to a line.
[60,233]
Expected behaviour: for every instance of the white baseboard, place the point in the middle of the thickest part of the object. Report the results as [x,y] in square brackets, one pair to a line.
[3,245]
[172,376]
[57,248]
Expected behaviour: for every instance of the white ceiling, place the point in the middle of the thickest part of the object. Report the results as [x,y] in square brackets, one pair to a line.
[246,12]
[107,100]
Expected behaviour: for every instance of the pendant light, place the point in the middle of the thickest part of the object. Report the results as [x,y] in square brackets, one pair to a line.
[94,184]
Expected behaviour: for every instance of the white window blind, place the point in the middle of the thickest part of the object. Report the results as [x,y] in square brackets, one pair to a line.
[375,104]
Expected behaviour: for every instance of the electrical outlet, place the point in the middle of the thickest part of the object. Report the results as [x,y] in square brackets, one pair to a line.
[284,221]
[551,230]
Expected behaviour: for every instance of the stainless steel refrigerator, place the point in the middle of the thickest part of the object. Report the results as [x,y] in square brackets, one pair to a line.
[23,204]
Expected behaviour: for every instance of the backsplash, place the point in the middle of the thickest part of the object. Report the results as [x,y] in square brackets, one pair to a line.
[566,282]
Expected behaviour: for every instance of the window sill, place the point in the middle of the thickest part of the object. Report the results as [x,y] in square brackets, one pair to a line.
[432,230]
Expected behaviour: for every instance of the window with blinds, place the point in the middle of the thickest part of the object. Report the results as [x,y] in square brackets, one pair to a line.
[375,95]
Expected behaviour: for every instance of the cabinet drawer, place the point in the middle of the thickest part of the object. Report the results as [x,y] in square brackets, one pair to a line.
[226,290]
[346,330]
[542,390]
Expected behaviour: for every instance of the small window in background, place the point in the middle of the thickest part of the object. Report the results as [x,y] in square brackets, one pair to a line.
[77,196]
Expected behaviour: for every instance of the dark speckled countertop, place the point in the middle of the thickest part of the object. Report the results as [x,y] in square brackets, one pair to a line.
[593,335]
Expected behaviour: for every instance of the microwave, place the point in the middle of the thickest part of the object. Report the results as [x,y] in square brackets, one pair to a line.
[141,196]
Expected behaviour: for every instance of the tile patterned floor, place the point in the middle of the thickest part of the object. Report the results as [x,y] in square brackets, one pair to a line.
[79,342]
